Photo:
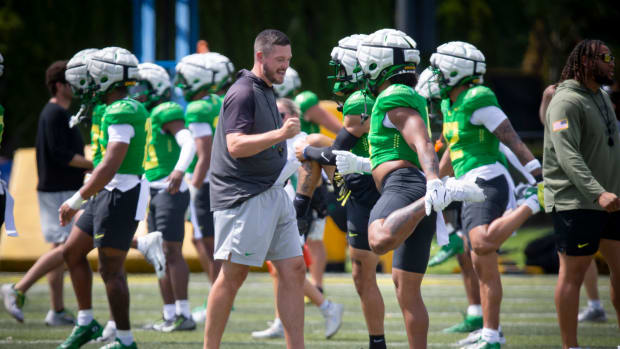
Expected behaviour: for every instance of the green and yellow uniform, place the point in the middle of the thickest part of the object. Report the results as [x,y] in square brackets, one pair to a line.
[162,150]
[357,104]
[305,101]
[471,146]
[131,112]
[205,110]
[95,133]
[387,144]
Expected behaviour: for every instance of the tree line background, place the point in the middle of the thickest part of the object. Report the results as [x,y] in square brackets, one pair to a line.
[520,38]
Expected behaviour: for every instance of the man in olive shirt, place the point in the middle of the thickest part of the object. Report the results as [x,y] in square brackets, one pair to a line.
[580,168]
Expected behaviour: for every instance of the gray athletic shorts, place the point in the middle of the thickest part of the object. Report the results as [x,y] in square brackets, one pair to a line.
[49,203]
[262,228]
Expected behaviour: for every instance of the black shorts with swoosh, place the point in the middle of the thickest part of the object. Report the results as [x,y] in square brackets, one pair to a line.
[579,231]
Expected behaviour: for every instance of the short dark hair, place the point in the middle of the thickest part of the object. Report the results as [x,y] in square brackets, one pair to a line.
[55,73]
[585,53]
[266,39]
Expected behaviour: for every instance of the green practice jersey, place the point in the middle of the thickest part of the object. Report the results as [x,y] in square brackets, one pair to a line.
[357,104]
[205,110]
[387,143]
[162,150]
[471,146]
[95,133]
[305,101]
[131,112]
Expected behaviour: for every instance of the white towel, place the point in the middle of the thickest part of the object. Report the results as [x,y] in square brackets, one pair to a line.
[143,199]
[9,219]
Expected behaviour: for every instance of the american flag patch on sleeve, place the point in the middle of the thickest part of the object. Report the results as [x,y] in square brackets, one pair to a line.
[560,125]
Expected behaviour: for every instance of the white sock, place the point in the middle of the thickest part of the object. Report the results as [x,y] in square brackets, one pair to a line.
[169,311]
[277,322]
[595,304]
[111,324]
[182,308]
[324,306]
[574,348]
[490,335]
[125,336]
[84,317]
[474,310]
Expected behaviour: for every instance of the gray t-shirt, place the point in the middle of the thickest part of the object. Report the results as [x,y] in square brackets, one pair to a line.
[249,108]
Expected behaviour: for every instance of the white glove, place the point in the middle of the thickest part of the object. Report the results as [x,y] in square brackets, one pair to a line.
[437,198]
[348,162]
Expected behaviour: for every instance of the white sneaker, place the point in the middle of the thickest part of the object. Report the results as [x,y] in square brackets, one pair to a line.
[463,191]
[108,334]
[63,318]
[199,315]
[274,331]
[13,301]
[151,248]
[592,315]
[333,319]
[474,336]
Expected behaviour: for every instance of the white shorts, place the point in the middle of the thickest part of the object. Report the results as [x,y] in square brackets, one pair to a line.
[262,228]
[49,203]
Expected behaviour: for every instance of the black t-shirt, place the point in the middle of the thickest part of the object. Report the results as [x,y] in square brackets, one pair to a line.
[249,108]
[56,145]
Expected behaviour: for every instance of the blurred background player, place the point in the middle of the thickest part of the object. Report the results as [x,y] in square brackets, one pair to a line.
[6,201]
[473,126]
[204,79]
[170,150]
[110,218]
[60,166]
[311,209]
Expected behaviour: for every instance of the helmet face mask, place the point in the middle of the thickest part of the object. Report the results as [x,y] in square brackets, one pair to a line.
[457,63]
[110,68]
[387,53]
[348,75]
[153,85]
[76,75]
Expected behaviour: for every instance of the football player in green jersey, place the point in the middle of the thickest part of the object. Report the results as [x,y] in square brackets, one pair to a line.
[474,125]
[348,79]
[170,150]
[204,78]
[111,217]
[399,148]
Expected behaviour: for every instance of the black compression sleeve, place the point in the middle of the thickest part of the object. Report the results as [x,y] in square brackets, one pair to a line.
[324,156]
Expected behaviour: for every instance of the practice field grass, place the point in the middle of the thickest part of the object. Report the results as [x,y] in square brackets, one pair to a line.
[528,314]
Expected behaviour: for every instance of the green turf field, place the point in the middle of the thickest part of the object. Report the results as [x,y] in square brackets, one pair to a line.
[528,314]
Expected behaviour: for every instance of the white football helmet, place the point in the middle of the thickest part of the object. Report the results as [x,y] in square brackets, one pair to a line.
[457,63]
[386,53]
[111,66]
[428,85]
[291,83]
[156,76]
[76,73]
[349,74]
[223,70]
[1,64]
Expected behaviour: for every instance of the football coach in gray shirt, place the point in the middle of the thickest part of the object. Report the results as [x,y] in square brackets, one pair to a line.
[254,218]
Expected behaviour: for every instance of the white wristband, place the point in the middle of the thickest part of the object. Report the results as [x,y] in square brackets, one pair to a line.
[75,202]
[532,165]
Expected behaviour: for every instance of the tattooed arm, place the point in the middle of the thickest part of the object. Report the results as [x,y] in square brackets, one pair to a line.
[410,124]
[510,138]
[445,164]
